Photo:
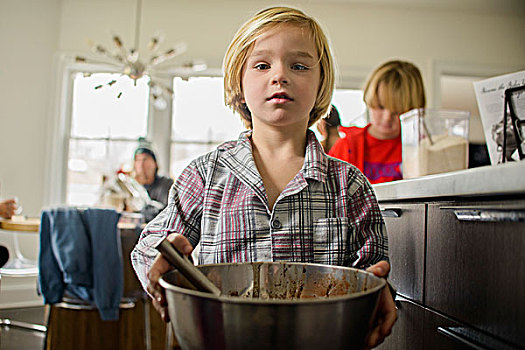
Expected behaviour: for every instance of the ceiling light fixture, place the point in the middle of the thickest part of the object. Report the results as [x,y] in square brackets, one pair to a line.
[130,63]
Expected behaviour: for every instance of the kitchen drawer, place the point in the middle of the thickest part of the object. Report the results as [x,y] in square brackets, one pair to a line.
[405,225]
[436,333]
[419,328]
[408,330]
[441,332]
[475,265]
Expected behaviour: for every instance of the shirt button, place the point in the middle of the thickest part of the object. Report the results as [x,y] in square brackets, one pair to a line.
[276,224]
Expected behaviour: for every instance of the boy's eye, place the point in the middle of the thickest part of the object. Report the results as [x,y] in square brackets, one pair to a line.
[262,66]
[299,66]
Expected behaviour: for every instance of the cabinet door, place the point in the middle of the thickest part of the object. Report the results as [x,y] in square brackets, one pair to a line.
[408,330]
[405,224]
[435,339]
[476,265]
[440,333]
[129,237]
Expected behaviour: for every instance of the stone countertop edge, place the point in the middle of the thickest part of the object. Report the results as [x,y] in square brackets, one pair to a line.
[501,179]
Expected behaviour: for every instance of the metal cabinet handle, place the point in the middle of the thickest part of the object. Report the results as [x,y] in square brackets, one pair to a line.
[460,338]
[391,212]
[490,215]
[399,300]
[473,339]
[399,303]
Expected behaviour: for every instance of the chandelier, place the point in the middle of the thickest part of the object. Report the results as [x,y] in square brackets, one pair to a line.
[131,63]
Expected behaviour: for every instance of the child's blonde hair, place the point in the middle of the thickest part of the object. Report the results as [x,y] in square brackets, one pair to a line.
[243,43]
[403,86]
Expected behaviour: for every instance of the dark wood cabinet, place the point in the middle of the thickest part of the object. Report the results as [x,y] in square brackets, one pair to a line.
[420,328]
[408,330]
[459,268]
[476,265]
[405,225]
[441,332]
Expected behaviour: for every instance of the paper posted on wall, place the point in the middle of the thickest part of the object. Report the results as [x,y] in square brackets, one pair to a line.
[490,94]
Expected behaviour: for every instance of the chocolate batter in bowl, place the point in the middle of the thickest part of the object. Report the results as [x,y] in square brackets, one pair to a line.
[274,305]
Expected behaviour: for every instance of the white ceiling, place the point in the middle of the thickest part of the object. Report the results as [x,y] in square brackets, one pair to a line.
[492,6]
[436,3]
[488,6]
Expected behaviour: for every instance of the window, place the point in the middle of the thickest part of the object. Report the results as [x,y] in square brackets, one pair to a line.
[200,120]
[104,131]
[351,108]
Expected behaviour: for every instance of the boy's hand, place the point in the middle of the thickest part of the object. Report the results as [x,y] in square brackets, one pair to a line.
[386,311]
[159,267]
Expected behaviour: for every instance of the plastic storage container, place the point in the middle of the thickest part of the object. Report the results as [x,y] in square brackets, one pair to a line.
[434,141]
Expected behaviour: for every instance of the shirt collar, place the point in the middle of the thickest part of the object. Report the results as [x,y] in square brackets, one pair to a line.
[315,164]
[315,160]
[239,159]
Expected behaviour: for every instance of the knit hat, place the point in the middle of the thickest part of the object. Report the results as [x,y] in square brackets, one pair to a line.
[145,147]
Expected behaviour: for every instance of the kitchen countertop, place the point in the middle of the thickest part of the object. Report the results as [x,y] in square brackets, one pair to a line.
[501,179]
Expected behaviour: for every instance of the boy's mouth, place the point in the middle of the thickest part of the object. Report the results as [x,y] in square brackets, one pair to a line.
[280,96]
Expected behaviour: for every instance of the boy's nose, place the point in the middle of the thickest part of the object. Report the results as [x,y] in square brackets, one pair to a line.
[279,77]
[279,80]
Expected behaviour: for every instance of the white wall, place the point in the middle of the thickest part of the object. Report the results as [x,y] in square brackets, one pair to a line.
[29,32]
[28,38]
[363,34]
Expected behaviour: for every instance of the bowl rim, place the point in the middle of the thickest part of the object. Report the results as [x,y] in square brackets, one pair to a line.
[239,300]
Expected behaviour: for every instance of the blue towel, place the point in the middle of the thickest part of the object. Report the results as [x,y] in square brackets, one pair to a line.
[80,253]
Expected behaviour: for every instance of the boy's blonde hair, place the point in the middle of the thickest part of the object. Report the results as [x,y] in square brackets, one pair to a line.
[243,43]
[402,85]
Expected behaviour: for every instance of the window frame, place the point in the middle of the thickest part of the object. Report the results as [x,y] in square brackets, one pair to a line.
[60,118]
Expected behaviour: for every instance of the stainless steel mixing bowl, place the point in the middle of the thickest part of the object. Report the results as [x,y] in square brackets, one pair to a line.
[276,305]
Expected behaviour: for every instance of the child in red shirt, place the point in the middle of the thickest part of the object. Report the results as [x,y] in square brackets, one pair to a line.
[394,88]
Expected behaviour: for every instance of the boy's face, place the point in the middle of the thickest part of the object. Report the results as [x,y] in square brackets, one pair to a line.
[281,77]
[385,124]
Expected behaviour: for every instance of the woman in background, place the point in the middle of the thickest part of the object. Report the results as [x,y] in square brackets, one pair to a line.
[328,128]
[394,88]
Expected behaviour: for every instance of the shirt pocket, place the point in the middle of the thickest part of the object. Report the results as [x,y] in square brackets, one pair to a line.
[331,240]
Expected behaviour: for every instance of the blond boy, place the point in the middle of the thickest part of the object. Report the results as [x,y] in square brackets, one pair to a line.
[273,194]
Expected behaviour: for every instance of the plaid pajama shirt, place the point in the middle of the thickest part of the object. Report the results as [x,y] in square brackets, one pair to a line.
[327,214]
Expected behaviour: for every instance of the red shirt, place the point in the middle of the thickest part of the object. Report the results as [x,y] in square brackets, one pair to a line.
[379,160]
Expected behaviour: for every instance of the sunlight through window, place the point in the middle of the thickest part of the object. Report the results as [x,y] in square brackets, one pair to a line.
[104,131]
